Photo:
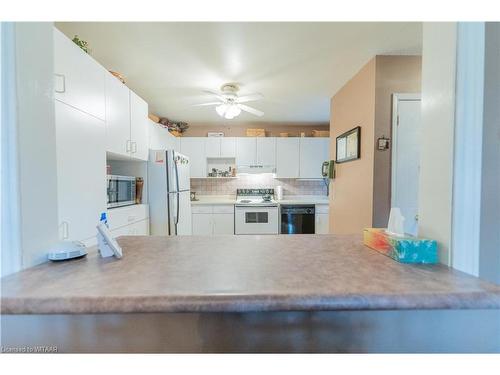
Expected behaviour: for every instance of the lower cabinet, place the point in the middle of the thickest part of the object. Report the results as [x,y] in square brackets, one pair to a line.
[129,220]
[322,219]
[213,219]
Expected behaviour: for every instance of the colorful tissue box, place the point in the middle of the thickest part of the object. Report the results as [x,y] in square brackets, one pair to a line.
[407,249]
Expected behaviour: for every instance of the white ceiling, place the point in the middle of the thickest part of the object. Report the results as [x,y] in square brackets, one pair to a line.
[296,66]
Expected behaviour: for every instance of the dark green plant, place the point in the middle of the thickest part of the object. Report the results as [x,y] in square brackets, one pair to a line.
[84,45]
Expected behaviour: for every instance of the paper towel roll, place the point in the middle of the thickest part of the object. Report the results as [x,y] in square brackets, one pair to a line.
[278,192]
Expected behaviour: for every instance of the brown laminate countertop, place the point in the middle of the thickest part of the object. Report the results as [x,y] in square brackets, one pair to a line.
[238,274]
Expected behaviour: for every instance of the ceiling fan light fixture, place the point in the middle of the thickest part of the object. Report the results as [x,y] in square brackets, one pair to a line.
[221,110]
[233,111]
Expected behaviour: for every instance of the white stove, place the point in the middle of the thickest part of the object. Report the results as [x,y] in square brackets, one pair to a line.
[256,212]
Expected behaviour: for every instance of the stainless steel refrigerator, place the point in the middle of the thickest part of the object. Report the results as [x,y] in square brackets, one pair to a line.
[169,193]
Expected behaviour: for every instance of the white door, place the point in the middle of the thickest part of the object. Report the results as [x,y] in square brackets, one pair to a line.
[405,158]
[78,79]
[202,224]
[81,180]
[246,148]
[139,127]
[117,117]
[266,151]
[287,157]
[313,152]
[228,147]
[194,148]
[212,147]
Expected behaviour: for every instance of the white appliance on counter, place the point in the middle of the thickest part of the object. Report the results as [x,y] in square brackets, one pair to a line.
[169,193]
[256,212]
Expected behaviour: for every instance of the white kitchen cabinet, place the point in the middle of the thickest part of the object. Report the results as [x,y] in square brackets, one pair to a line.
[266,151]
[322,219]
[140,228]
[223,223]
[287,157]
[81,177]
[123,216]
[212,147]
[118,140]
[202,224]
[139,148]
[194,147]
[161,139]
[227,147]
[213,219]
[78,79]
[313,152]
[246,151]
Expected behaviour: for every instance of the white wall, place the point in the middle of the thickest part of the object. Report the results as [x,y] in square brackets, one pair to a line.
[438,108]
[36,140]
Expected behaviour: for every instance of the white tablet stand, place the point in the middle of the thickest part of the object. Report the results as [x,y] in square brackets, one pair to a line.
[106,244]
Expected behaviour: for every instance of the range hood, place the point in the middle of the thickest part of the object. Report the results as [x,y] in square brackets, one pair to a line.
[255,169]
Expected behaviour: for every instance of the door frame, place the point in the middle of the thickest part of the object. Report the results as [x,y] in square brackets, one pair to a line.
[396,98]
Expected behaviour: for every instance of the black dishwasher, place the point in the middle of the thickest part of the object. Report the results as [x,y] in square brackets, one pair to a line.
[297,219]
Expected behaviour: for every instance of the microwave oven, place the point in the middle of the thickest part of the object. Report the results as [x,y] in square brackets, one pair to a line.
[121,190]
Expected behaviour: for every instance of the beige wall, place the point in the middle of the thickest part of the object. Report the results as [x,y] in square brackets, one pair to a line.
[361,191]
[273,129]
[351,192]
[394,74]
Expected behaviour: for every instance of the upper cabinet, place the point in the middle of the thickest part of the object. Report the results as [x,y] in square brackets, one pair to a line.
[78,78]
[313,152]
[139,127]
[126,121]
[220,147]
[266,151]
[117,117]
[161,139]
[287,157]
[194,148]
[246,151]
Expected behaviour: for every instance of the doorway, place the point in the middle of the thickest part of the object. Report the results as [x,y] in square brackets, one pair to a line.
[405,158]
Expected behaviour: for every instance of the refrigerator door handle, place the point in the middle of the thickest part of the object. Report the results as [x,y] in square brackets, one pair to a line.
[178,204]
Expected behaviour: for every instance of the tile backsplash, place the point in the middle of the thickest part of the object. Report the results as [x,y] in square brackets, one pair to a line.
[291,186]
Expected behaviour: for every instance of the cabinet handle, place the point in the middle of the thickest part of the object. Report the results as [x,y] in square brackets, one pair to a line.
[63,80]
[65,230]
[128,146]
[134,147]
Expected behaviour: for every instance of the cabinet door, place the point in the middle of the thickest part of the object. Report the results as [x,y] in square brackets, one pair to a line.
[212,147]
[194,147]
[266,151]
[117,117]
[228,147]
[81,176]
[139,127]
[141,228]
[202,224]
[246,149]
[321,223]
[287,157]
[313,152]
[223,223]
[78,78]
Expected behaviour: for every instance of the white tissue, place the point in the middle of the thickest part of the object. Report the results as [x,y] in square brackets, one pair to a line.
[396,225]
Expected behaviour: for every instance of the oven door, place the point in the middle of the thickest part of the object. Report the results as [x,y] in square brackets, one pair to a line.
[121,191]
[256,220]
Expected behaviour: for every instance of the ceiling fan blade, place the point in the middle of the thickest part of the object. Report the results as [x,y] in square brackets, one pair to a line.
[206,104]
[216,94]
[251,110]
[249,98]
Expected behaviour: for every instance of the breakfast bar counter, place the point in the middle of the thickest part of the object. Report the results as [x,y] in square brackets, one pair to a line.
[241,274]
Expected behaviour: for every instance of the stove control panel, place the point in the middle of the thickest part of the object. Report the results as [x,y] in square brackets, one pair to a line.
[253,192]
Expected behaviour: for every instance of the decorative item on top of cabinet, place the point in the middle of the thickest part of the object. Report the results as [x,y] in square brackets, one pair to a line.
[83,44]
[118,75]
[256,132]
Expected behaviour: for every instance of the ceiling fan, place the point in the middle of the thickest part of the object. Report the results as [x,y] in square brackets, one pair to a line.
[230,104]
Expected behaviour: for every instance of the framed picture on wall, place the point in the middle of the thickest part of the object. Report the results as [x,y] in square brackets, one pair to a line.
[348,145]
